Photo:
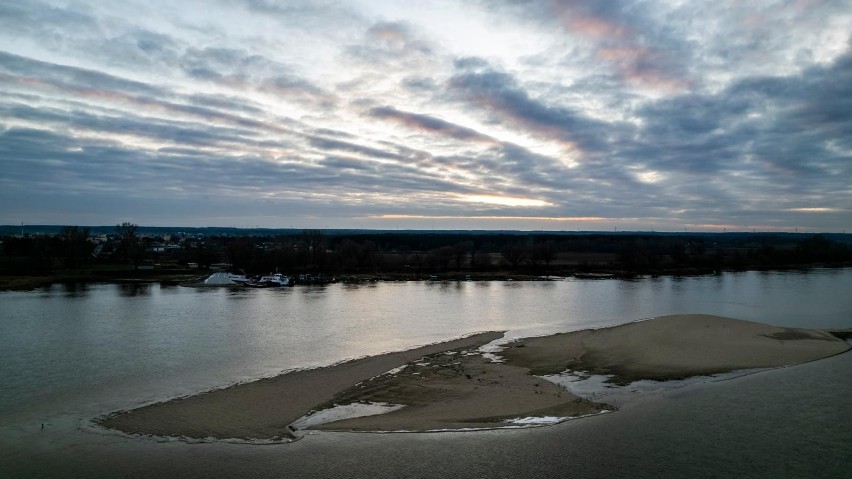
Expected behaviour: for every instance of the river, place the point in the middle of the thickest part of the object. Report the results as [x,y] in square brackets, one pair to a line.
[69,353]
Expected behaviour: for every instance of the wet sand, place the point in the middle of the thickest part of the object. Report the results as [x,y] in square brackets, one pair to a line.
[450,385]
[459,390]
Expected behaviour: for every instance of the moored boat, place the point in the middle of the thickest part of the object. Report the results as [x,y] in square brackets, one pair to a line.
[270,281]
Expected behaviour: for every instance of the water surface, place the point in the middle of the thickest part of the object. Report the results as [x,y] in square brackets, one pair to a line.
[72,352]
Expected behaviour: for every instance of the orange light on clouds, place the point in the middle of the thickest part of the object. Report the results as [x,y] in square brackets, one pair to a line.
[496,218]
[815,210]
[505,200]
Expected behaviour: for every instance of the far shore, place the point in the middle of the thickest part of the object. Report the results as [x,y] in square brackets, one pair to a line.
[195,277]
[451,385]
[115,276]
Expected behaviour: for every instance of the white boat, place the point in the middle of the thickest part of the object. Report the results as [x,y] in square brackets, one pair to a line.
[271,280]
[222,278]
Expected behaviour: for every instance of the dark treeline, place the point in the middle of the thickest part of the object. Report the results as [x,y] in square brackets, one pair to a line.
[124,247]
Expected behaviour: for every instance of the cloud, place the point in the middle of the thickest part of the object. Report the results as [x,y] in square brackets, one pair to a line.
[397,38]
[240,69]
[339,145]
[77,80]
[394,45]
[112,91]
[499,95]
[637,46]
[43,20]
[429,124]
[762,140]
[294,88]
[701,113]
[138,48]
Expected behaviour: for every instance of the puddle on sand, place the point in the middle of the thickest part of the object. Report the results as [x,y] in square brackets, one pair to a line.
[537,421]
[534,421]
[595,387]
[340,412]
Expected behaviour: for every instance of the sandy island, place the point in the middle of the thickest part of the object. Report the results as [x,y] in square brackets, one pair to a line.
[451,385]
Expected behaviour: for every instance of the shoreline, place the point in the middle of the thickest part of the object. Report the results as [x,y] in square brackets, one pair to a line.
[451,386]
[194,278]
[31,283]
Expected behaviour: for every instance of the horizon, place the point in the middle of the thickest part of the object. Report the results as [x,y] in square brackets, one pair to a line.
[40,228]
[455,115]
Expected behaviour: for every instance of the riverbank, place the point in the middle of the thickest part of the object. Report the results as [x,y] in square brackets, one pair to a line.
[451,386]
[195,277]
[114,276]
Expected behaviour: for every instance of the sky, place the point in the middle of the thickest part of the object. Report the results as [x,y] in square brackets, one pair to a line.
[705,115]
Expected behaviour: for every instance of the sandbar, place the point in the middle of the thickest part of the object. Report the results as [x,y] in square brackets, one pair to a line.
[263,409]
[459,390]
[452,386]
[673,347]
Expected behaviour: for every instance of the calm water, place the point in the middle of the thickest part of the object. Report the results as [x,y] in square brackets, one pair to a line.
[70,353]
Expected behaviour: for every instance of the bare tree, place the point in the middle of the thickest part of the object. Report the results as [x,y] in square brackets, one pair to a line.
[75,245]
[241,252]
[313,240]
[545,252]
[460,250]
[514,253]
[442,256]
[131,250]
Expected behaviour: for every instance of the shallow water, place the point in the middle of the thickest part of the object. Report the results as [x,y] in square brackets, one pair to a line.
[73,352]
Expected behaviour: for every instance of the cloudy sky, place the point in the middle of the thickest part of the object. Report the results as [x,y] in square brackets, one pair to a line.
[558,115]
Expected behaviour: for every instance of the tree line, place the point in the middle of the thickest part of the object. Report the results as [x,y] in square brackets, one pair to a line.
[430,252]
[427,252]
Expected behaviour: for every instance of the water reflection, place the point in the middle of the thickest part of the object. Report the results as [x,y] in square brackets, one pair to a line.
[75,290]
[313,293]
[241,293]
[134,289]
[444,286]
[513,284]
[357,286]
